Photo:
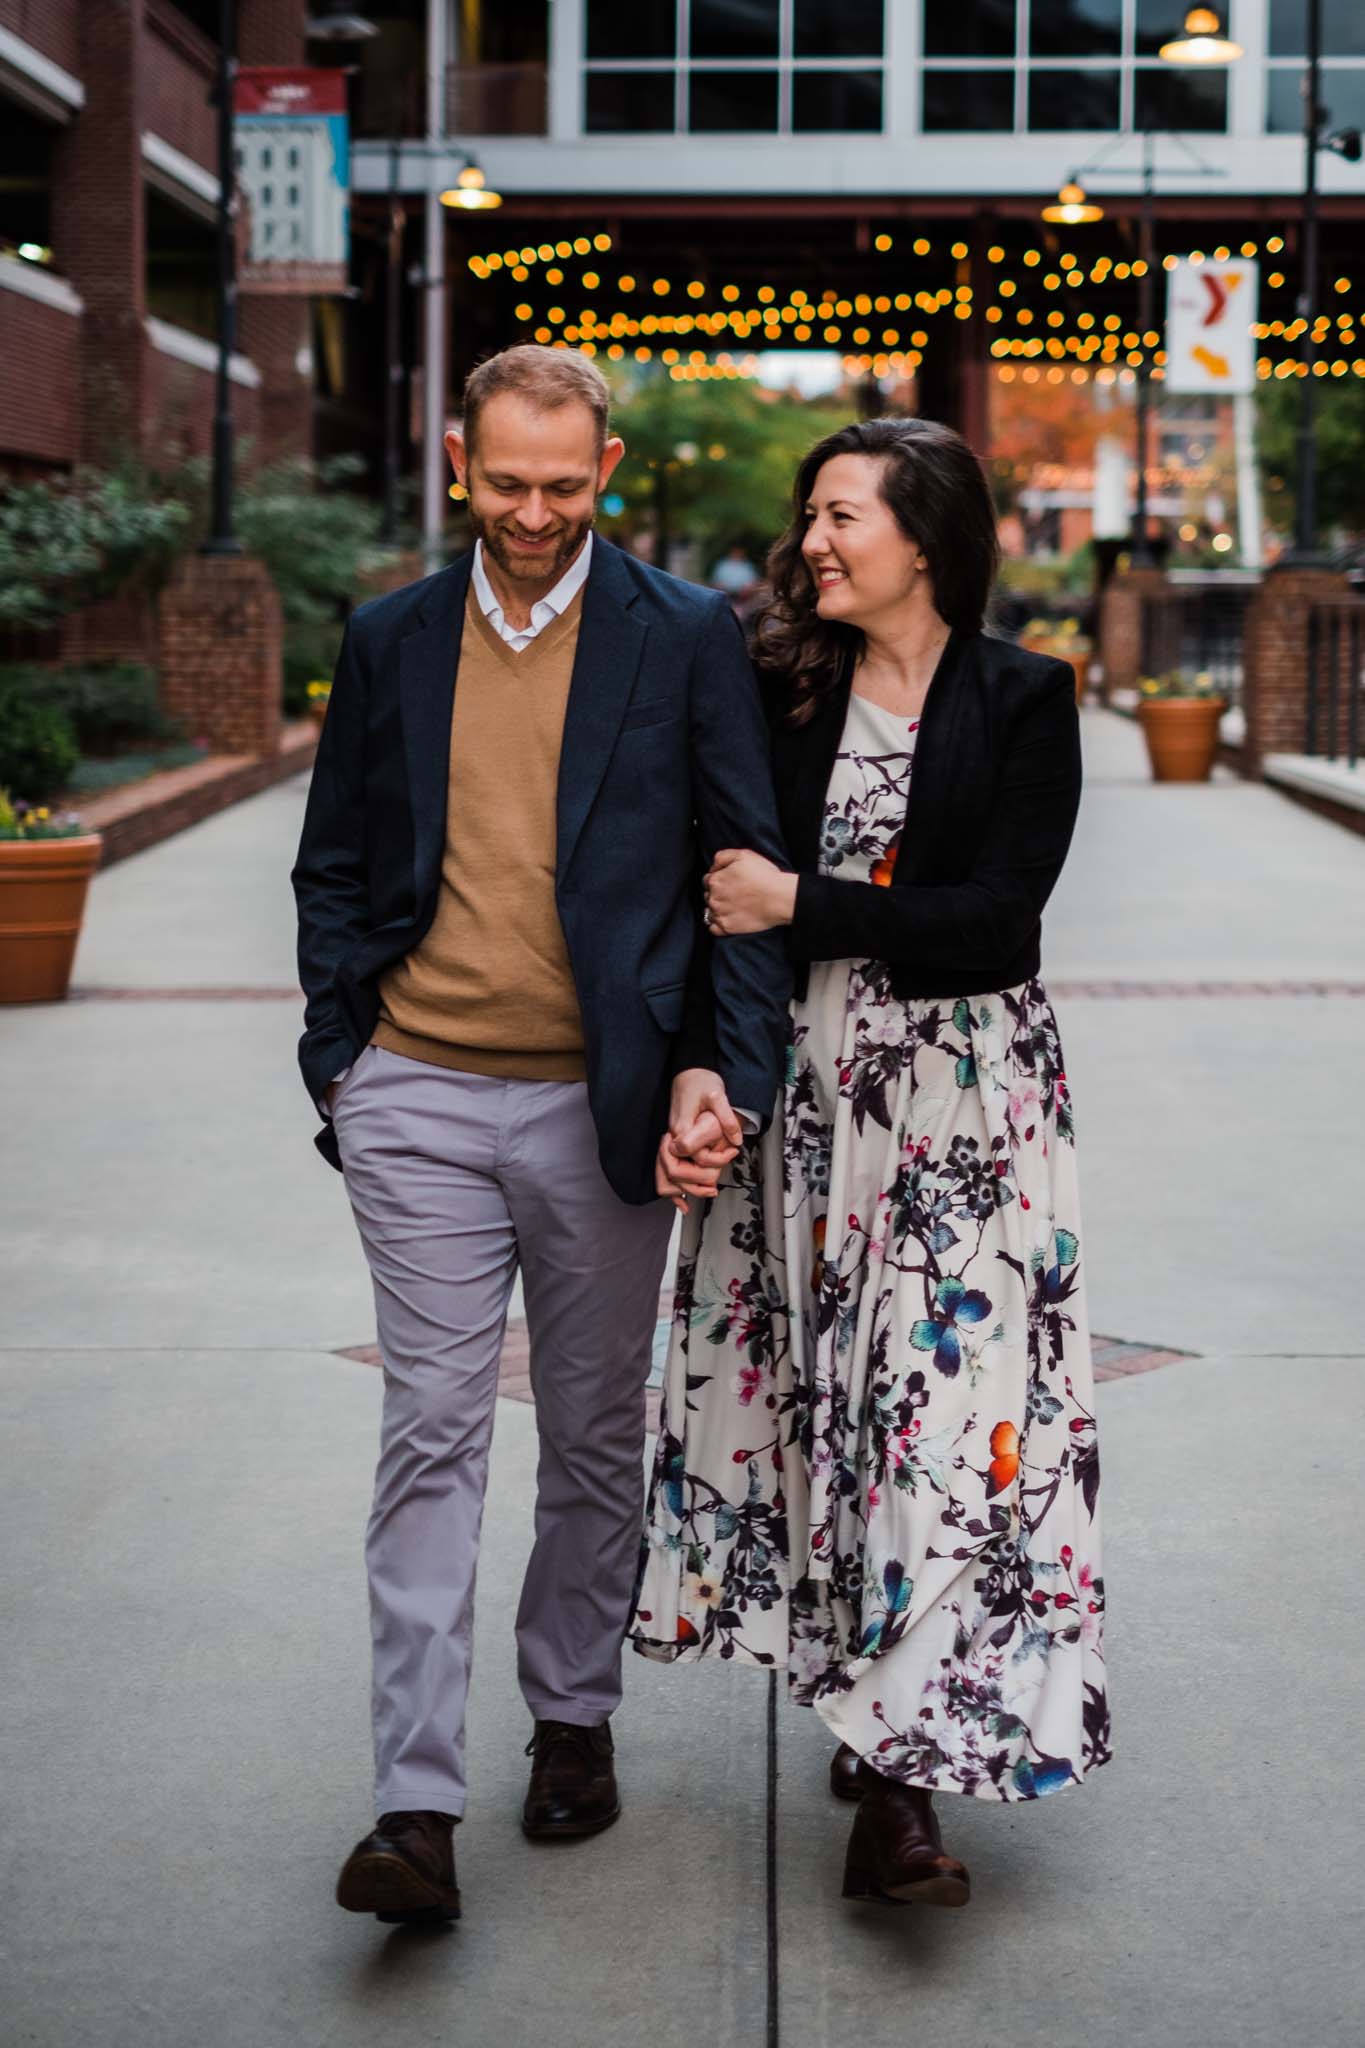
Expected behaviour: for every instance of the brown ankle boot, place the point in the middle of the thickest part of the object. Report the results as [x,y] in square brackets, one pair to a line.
[404,1871]
[843,1773]
[895,1851]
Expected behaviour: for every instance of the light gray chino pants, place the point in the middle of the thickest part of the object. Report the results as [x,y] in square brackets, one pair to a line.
[454,1181]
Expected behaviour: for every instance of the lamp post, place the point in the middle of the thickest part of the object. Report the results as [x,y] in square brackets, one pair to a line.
[221,539]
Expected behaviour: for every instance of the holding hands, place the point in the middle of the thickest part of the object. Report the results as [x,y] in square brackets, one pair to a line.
[747,893]
[703,1136]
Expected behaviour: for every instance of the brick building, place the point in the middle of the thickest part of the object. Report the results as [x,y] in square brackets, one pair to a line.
[108,189]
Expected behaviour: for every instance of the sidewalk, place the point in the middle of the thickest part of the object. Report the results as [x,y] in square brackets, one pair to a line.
[183,1739]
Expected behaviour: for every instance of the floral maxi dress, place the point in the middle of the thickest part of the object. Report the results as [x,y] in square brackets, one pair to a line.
[877,1461]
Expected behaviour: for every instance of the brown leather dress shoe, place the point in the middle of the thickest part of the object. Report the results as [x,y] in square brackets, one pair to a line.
[573,1782]
[843,1773]
[895,1851]
[404,1871]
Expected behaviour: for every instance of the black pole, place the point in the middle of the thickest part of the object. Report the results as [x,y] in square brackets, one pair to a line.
[1140,548]
[221,540]
[1306,521]
[393,359]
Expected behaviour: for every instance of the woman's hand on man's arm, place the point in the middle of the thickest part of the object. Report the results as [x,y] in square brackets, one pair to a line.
[747,893]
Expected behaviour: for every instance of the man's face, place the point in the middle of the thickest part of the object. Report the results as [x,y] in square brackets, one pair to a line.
[533,479]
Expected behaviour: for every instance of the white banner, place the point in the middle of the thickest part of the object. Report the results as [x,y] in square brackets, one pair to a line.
[1210,313]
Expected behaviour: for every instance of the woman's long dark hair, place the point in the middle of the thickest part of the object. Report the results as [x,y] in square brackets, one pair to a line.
[937,491]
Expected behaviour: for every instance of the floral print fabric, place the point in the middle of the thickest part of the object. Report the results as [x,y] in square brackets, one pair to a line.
[877,1462]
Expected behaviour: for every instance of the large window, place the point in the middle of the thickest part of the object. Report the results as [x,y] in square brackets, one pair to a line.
[746,67]
[1342,89]
[1049,65]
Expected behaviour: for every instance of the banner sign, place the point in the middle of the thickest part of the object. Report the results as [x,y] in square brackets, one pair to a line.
[1210,313]
[293,176]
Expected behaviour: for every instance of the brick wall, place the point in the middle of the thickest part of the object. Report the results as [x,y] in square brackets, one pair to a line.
[40,343]
[179,66]
[177,413]
[1120,637]
[221,653]
[51,26]
[99,226]
[1275,687]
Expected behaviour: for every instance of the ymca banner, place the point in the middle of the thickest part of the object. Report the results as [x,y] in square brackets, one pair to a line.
[293,177]
[1210,314]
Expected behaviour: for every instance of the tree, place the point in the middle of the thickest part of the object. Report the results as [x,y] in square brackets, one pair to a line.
[713,461]
[1340,436]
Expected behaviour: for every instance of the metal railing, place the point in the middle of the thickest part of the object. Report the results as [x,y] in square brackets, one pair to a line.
[1196,625]
[1336,679]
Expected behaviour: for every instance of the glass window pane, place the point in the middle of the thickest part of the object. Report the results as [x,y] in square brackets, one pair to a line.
[1342,93]
[731,28]
[622,28]
[1075,28]
[629,103]
[985,29]
[839,28]
[1161,21]
[1343,28]
[743,102]
[1073,99]
[837,101]
[975,100]
[1186,101]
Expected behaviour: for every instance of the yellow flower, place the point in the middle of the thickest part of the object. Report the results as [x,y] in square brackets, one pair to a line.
[320,689]
[1149,686]
[43,812]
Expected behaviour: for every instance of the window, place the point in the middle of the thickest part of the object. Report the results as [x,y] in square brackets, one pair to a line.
[1341,89]
[1057,65]
[1343,28]
[738,67]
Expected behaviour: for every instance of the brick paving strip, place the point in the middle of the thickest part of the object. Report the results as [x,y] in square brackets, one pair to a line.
[1064,991]
[1113,1359]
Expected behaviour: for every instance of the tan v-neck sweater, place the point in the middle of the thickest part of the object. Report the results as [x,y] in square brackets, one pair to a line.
[489,990]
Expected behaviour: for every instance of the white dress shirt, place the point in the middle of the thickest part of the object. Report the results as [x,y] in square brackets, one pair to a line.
[543,611]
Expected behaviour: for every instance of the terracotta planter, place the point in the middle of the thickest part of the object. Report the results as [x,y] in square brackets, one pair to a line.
[1181,735]
[42,901]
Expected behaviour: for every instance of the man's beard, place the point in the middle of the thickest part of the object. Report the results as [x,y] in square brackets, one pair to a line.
[539,568]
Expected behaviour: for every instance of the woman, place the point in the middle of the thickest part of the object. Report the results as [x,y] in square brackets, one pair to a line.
[877,1460]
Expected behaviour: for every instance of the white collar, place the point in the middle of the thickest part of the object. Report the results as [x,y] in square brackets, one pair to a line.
[556,602]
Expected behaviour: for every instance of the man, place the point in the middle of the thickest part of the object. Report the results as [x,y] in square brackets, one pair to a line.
[528,761]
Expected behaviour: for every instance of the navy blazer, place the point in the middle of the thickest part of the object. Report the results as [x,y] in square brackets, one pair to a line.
[993,800]
[665,760]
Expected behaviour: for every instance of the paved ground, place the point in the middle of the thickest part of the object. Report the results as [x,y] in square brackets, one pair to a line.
[183,1747]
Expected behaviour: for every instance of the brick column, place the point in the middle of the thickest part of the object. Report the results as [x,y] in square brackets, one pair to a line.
[275,332]
[1120,636]
[99,227]
[1275,659]
[221,653]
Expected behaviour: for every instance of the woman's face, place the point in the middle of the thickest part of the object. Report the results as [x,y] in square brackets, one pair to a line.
[860,562]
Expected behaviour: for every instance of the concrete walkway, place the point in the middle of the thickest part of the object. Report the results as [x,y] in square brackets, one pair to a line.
[183,1740]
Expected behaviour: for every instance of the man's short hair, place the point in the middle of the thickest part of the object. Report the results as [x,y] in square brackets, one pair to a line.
[545,377]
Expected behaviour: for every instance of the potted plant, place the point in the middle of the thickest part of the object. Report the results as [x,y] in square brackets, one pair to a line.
[318,694]
[1064,639]
[46,862]
[1179,716]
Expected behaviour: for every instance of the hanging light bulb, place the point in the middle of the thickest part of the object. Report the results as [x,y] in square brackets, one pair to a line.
[1202,43]
[1071,208]
[471,191]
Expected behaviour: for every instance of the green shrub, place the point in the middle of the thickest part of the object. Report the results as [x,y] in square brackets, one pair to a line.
[110,707]
[38,748]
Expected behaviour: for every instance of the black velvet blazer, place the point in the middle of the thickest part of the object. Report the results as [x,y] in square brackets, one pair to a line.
[993,801]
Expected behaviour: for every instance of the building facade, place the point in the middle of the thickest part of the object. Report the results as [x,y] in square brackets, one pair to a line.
[108,191]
